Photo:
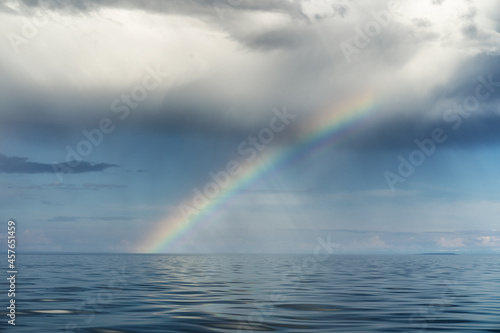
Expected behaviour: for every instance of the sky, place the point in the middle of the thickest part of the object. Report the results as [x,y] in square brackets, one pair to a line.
[250,126]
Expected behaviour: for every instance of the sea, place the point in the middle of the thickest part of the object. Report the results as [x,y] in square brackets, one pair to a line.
[118,293]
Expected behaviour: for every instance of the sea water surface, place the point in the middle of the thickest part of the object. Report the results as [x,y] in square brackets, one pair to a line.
[255,293]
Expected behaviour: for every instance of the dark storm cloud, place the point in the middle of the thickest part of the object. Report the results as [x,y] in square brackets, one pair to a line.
[285,38]
[403,132]
[422,23]
[405,121]
[5,9]
[22,165]
[448,108]
[226,14]
[303,77]
[214,9]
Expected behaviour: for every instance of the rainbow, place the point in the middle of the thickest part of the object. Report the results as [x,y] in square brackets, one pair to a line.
[328,127]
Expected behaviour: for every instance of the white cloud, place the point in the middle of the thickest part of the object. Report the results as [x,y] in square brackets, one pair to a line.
[492,241]
[456,242]
[376,242]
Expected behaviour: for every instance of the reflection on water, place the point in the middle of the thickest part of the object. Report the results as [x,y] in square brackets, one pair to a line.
[256,293]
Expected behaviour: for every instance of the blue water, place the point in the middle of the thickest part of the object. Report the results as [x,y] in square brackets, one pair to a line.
[255,293]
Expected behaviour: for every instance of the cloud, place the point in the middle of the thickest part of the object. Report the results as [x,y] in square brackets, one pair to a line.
[94,186]
[488,241]
[137,170]
[65,186]
[456,242]
[235,63]
[22,165]
[175,7]
[85,218]
[227,65]
[413,242]
[376,242]
[35,237]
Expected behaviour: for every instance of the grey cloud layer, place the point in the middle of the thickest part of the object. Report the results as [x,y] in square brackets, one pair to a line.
[292,57]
